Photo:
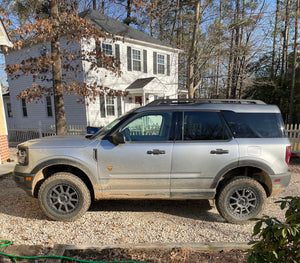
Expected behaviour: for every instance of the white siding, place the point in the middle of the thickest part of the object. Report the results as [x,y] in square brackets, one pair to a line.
[37,111]
[111,80]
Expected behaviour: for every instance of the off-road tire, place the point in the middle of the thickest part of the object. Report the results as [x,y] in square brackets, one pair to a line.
[240,199]
[64,197]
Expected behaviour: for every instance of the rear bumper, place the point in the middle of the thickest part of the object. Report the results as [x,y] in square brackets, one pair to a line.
[280,182]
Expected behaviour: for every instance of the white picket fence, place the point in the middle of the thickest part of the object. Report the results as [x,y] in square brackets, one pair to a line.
[16,136]
[293,132]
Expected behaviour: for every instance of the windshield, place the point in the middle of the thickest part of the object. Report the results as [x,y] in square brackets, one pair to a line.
[105,130]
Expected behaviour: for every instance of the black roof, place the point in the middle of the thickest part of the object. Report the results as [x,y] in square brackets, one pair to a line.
[140,83]
[116,27]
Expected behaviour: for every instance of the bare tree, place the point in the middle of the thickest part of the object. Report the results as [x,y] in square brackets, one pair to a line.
[292,96]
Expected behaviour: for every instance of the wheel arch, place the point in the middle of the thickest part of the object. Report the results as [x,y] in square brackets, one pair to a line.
[256,172]
[48,168]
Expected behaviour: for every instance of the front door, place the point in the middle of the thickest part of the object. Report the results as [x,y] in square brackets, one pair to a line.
[141,166]
[202,151]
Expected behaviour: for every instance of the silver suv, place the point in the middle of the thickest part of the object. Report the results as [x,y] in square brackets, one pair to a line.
[233,151]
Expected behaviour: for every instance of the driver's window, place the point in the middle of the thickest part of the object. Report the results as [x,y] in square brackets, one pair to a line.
[150,127]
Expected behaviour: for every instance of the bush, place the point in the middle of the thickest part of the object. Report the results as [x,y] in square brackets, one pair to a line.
[277,241]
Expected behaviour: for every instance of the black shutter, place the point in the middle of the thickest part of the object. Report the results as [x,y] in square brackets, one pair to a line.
[145,60]
[119,105]
[117,49]
[102,107]
[129,67]
[98,54]
[154,62]
[168,65]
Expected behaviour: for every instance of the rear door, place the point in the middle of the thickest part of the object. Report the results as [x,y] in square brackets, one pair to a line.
[203,150]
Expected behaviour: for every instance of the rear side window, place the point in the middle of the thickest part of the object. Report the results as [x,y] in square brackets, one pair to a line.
[255,125]
[203,126]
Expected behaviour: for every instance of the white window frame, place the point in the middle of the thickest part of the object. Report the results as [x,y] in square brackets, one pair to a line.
[107,104]
[104,49]
[159,64]
[136,60]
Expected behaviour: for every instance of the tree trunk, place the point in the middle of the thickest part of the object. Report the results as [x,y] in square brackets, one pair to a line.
[193,47]
[285,42]
[60,118]
[128,13]
[219,56]
[236,50]
[94,5]
[274,40]
[230,62]
[292,97]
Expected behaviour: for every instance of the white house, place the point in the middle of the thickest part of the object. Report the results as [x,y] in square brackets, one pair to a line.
[149,71]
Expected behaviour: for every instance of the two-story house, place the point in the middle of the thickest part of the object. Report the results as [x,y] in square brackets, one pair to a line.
[149,71]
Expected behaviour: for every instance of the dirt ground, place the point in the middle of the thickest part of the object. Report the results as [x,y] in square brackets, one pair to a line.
[157,255]
[130,255]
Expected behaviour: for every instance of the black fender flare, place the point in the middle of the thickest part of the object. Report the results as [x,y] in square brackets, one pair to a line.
[62,161]
[241,164]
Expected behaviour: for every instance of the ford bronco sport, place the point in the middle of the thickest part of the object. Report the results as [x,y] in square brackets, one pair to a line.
[233,151]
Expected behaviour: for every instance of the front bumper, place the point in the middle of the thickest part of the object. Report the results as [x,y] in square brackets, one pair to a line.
[280,182]
[24,181]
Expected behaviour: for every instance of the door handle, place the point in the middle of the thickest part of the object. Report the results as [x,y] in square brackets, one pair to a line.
[219,151]
[156,152]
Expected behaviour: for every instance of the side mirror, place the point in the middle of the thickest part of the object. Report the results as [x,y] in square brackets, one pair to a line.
[117,138]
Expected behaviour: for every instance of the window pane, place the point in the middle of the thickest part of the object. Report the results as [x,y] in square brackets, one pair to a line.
[107,48]
[161,64]
[24,108]
[49,106]
[204,126]
[136,65]
[9,111]
[110,106]
[150,127]
[255,125]
[110,110]
[136,54]
[161,69]
[160,59]
[136,60]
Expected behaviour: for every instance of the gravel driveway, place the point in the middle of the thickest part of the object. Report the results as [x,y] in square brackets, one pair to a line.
[114,222]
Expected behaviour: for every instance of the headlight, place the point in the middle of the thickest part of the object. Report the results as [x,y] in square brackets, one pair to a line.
[22,155]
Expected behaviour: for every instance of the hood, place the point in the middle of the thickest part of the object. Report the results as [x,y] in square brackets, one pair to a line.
[72,141]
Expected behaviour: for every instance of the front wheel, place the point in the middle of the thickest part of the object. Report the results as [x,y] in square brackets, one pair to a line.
[240,199]
[64,197]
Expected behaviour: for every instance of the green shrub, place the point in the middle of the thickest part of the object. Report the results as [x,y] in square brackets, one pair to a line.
[277,241]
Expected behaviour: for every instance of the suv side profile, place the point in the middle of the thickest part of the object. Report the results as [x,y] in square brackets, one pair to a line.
[233,151]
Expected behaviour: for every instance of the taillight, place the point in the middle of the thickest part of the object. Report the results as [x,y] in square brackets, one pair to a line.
[288,154]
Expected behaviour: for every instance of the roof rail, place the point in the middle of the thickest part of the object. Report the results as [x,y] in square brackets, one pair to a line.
[199,101]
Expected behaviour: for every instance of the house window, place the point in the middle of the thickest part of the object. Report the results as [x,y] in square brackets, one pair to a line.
[9,111]
[24,108]
[107,49]
[136,60]
[49,106]
[160,64]
[110,106]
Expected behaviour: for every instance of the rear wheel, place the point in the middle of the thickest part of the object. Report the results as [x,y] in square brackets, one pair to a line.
[240,199]
[64,197]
